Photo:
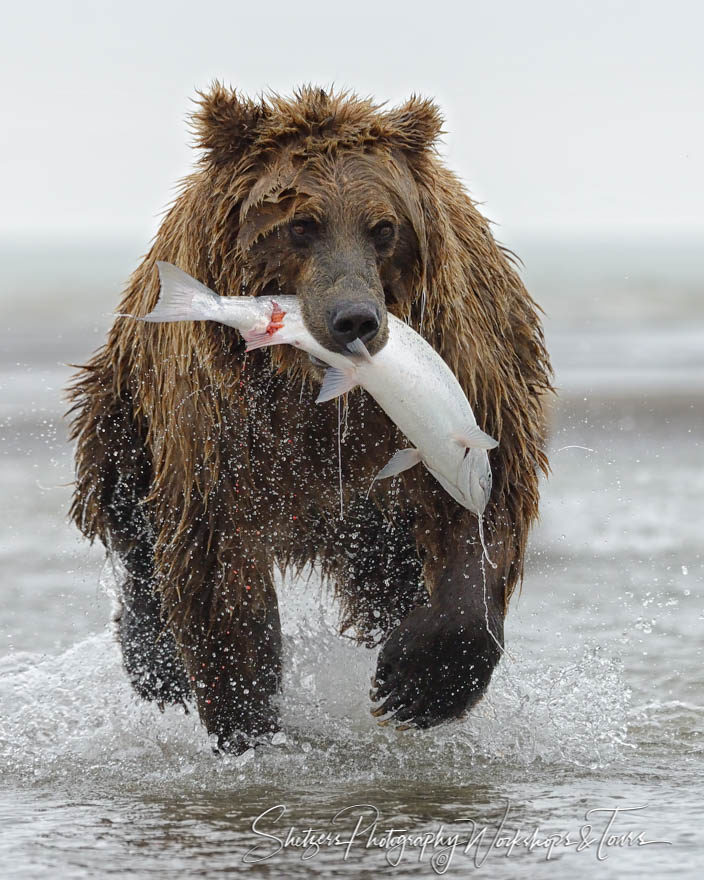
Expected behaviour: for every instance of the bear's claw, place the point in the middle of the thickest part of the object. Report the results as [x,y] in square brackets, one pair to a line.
[432,669]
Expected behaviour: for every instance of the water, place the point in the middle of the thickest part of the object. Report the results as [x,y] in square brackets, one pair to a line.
[597,705]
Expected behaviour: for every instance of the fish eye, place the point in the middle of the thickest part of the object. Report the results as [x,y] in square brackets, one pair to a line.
[302,229]
[383,233]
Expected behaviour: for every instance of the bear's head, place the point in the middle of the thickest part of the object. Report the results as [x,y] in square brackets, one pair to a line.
[323,202]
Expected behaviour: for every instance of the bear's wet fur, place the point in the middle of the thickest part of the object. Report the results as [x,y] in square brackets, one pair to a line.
[203,468]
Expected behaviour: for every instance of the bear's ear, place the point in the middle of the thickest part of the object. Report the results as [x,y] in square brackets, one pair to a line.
[225,123]
[415,125]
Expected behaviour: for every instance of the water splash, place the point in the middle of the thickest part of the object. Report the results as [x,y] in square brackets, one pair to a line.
[75,714]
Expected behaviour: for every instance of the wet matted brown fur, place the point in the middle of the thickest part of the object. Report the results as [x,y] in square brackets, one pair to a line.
[203,468]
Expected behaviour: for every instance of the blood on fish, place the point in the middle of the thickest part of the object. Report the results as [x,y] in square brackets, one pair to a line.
[276,322]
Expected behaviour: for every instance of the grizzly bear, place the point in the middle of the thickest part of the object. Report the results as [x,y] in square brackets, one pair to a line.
[203,468]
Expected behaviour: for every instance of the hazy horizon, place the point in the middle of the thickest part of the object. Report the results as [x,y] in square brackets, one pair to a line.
[575,120]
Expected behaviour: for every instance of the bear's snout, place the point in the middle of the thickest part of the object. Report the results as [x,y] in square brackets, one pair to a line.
[350,320]
[350,308]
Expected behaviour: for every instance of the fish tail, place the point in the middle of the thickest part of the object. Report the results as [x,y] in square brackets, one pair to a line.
[181,298]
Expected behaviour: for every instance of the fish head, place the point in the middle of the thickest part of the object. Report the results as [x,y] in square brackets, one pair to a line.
[476,479]
[466,476]
[341,232]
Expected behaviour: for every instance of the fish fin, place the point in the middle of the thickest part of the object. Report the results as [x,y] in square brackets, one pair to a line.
[400,461]
[358,347]
[335,383]
[475,438]
[260,340]
[177,295]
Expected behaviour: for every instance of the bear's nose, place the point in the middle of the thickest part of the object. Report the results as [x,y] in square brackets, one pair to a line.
[347,322]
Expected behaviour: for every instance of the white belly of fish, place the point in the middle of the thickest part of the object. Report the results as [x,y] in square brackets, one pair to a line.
[421,395]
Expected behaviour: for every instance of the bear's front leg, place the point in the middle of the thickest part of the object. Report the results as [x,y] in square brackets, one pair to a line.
[229,635]
[438,662]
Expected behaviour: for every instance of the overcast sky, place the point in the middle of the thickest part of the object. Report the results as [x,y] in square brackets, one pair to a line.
[581,117]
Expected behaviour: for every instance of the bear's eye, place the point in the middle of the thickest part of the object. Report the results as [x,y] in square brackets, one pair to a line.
[302,229]
[383,233]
